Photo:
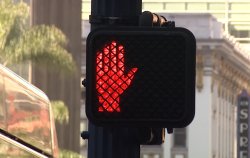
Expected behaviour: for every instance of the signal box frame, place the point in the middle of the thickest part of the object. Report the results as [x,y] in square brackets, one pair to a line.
[190,59]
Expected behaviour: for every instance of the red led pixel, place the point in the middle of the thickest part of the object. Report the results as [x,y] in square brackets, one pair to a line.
[111,80]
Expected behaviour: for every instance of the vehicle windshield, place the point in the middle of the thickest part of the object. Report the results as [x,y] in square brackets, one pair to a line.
[25,112]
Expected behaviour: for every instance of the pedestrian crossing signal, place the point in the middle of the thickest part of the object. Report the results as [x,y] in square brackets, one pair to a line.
[140,76]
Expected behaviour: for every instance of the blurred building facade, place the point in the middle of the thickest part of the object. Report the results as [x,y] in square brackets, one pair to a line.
[234,14]
[66,15]
[213,132]
[222,72]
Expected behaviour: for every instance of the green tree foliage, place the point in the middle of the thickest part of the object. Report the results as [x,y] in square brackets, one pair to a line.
[61,115]
[19,42]
[60,111]
[69,154]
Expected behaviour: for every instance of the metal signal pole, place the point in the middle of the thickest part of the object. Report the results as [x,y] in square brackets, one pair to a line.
[112,142]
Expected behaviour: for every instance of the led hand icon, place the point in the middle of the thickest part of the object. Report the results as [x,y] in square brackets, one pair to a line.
[111,80]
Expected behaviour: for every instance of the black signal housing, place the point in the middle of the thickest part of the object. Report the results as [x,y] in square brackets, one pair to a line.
[155,69]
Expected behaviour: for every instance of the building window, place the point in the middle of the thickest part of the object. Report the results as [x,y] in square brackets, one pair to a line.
[240,6]
[180,137]
[175,6]
[197,6]
[152,6]
[240,33]
[179,156]
[151,156]
[217,6]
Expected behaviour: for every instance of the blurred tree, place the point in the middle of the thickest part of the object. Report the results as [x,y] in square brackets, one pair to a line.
[19,42]
[69,154]
[60,111]
[61,114]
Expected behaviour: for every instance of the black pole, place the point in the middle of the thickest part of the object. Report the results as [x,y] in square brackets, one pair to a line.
[115,12]
[112,142]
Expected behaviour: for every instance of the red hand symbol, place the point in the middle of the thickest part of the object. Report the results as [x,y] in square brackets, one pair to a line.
[111,80]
